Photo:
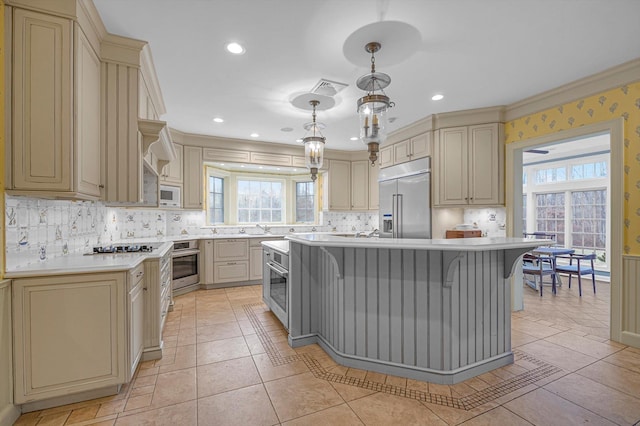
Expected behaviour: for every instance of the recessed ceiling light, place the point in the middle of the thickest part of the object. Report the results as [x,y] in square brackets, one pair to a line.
[218,120]
[298,140]
[222,164]
[295,170]
[260,167]
[235,48]
[277,168]
[437,97]
[254,135]
[354,138]
[242,166]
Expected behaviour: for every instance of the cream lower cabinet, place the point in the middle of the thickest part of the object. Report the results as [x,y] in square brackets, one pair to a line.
[206,262]
[8,412]
[157,302]
[230,260]
[55,115]
[469,166]
[70,334]
[255,263]
[135,317]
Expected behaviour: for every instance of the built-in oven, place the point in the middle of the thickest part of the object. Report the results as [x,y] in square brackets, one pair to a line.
[276,283]
[186,263]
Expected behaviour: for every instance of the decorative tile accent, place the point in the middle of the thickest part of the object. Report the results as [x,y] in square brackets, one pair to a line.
[465,403]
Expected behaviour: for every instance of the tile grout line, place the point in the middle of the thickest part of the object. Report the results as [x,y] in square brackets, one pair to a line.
[465,403]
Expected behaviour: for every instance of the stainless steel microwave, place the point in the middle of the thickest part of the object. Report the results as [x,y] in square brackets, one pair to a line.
[169,196]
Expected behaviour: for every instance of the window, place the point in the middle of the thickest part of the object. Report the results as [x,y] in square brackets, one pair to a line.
[260,201]
[555,174]
[589,224]
[589,170]
[550,214]
[215,200]
[305,202]
[524,213]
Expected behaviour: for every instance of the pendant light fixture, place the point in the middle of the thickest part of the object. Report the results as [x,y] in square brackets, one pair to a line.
[314,145]
[372,108]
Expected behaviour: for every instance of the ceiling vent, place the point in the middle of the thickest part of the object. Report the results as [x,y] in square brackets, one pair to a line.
[328,87]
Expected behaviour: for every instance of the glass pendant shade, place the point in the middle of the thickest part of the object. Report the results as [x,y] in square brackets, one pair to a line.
[372,112]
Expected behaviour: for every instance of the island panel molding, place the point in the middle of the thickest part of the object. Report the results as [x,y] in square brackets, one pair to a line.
[390,309]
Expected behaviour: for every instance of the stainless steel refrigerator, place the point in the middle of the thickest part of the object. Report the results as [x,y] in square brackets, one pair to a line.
[405,200]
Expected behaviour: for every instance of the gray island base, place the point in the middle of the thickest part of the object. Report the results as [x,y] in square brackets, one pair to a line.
[431,310]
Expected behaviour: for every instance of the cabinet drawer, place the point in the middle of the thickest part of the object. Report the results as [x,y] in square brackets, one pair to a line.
[227,250]
[136,276]
[228,272]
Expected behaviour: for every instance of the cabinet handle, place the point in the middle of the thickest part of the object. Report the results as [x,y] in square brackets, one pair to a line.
[144,288]
[139,274]
[101,186]
[231,263]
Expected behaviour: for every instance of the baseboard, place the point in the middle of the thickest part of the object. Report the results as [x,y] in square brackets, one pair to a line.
[418,373]
[149,354]
[630,339]
[307,339]
[69,399]
[9,414]
[227,285]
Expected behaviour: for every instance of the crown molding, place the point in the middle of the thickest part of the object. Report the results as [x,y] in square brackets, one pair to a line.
[151,79]
[628,72]
[469,117]
[417,127]
[121,50]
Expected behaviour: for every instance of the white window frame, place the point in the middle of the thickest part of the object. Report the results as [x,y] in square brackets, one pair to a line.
[294,194]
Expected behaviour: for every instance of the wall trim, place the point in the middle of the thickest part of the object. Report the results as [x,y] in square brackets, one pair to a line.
[626,73]
[513,174]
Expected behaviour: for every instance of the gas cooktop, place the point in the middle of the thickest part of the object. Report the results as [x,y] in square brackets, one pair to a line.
[124,248]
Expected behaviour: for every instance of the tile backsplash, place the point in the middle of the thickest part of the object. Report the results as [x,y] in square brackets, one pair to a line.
[39,229]
[492,221]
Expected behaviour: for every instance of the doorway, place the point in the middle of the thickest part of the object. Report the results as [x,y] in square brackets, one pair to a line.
[514,197]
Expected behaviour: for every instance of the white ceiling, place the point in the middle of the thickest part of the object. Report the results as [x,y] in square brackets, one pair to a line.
[476,53]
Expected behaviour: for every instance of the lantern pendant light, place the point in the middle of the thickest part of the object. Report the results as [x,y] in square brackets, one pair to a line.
[314,145]
[372,108]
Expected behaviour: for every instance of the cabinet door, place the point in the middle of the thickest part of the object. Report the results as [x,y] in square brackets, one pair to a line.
[385,156]
[173,171]
[402,152]
[206,264]
[229,272]
[42,103]
[360,185]
[255,263]
[81,347]
[485,165]
[451,176]
[225,250]
[374,198]
[136,327]
[339,188]
[421,146]
[87,107]
[192,189]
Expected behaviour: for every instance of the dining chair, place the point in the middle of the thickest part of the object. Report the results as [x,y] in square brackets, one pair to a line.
[539,266]
[578,269]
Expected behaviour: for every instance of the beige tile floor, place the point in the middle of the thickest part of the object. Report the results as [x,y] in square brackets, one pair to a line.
[227,362]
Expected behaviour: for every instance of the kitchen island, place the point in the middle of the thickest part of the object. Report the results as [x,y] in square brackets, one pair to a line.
[433,310]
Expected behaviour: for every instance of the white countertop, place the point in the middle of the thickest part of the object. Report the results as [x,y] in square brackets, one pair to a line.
[79,263]
[279,245]
[456,244]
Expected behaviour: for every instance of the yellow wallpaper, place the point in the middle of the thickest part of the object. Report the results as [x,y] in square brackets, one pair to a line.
[621,102]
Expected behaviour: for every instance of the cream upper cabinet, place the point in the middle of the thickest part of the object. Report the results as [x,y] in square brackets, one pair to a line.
[469,168]
[172,172]
[55,82]
[385,156]
[412,149]
[338,185]
[360,185]
[193,171]
[374,199]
